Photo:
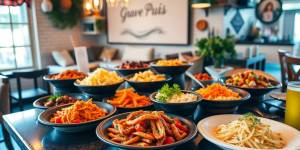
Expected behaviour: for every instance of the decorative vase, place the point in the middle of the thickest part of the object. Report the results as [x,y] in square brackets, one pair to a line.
[46,6]
[218,62]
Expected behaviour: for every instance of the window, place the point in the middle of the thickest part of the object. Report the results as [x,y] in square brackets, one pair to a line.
[296,28]
[15,46]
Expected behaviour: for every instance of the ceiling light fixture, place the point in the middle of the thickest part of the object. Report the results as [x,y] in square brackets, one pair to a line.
[201,3]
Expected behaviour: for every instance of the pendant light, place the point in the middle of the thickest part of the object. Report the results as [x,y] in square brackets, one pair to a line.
[201,3]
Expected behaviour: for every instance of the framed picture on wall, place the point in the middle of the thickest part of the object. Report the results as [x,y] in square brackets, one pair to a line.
[268,11]
[162,22]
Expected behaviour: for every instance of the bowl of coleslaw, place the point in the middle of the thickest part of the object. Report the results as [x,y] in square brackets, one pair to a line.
[176,101]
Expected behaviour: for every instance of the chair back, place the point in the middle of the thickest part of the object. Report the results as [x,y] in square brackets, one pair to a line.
[32,74]
[4,96]
[283,68]
[293,67]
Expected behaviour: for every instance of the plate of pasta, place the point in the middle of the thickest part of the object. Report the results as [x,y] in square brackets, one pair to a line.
[146,130]
[248,132]
[80,116]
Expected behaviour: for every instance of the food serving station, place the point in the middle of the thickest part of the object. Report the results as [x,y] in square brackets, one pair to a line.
[152,112]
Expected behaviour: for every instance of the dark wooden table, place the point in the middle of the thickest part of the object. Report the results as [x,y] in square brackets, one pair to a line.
[30,134]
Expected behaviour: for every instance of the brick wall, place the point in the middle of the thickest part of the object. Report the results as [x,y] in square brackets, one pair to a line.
[50,38]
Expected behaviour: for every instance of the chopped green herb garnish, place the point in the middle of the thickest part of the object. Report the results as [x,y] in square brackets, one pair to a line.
[53,97]
[167,91]
[252,118]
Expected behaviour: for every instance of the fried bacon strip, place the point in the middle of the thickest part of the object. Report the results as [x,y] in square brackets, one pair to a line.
[134,114]
[142,118]
[113,130]
[144,135]
[132,140]
[176,132]
[167,127]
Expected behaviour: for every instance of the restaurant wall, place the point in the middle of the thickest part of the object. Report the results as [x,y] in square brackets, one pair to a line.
[48,38]
[215,20]
[219,22]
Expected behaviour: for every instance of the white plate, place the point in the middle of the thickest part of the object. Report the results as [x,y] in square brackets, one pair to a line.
[206,128]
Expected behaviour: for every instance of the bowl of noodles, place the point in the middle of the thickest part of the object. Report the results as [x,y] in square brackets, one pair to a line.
[171,67]
[147,81]
[219,99]
[100,84]
[77,117]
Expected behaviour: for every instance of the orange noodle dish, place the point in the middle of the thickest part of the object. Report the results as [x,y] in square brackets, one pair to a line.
[79,112]
[128,98]
[217,91]
[147,128]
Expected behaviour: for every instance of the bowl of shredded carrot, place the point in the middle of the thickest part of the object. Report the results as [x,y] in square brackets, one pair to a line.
[80,116]
[220,99]
[127,100]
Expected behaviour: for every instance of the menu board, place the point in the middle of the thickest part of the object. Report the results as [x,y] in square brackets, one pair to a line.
[149,22]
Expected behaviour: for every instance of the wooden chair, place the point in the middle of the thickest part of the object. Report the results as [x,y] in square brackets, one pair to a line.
[4,109]
[33,93]
[283,68]
[293,67]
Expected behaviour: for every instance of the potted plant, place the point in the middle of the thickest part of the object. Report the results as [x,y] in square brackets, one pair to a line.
[217,49]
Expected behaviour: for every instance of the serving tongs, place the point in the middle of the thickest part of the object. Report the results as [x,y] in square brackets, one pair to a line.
[193,78]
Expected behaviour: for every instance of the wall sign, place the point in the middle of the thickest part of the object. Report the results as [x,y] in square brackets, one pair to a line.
[149,22]
[268,11]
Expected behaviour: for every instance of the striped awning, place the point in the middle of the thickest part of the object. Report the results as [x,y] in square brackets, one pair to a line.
[14,2]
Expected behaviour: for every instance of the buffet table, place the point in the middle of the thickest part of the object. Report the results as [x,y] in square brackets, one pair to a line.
[31,135]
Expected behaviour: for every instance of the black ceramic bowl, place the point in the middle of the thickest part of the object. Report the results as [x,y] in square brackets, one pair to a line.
[204,82]
[38,103]
[102,133]
[225,106]
[126,72]
[184,109]
[255,92]
[171,70]
[125,109]
[147,87]
[99,92]
[45,116]
[62,85]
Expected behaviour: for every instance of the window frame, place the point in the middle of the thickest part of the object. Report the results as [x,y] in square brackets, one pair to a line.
[13,46]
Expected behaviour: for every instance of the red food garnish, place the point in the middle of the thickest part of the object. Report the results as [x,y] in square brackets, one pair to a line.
[76,121]
[169,140]
[58,120]
[179,125]
[202,76]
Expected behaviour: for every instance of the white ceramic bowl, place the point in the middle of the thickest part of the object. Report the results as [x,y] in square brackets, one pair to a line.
[206,128]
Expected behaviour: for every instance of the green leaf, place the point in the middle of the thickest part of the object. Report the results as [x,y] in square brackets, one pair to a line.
[167,91]
[53,97]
